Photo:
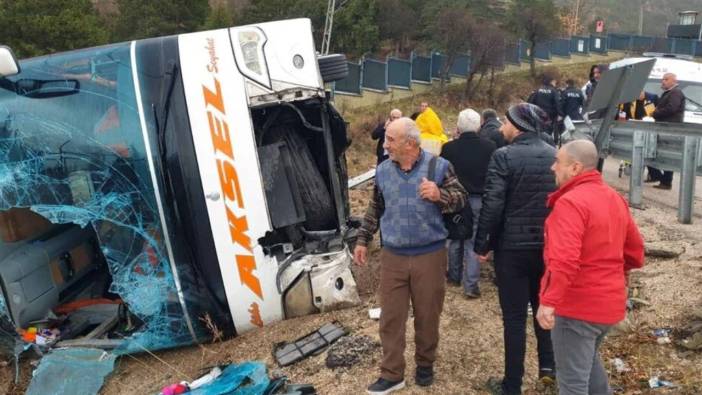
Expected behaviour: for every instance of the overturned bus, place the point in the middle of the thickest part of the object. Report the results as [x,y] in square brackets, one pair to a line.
[156,190]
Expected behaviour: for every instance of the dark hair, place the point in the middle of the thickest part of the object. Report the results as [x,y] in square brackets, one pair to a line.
[570,82]
[592,71]
[489,113]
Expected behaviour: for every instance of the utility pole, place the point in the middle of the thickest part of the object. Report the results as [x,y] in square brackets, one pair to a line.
[641,7]
[575,18]
[332,8]
[328,23]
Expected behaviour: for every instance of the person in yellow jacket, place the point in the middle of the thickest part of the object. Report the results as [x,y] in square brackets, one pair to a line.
[641,107]
[432,132]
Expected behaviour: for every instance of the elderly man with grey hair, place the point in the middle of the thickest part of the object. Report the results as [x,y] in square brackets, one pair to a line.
[670,108]
[379,134]
[591,244]
[408,207]
[470,155]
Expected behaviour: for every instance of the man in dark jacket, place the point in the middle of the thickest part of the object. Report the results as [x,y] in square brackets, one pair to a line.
[490,127]
[512,224]
[548,99]
[379,134]
[469,154]
[670,108]
[573,100]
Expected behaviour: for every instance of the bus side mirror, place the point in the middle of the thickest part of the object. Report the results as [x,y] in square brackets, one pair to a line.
[8,63]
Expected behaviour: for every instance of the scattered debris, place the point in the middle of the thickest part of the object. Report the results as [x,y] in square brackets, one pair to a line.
[620,365]
[206,379]
[280,386]
[663,250]
[634,303]
[350,350]
[311,344]
[71,371]
[655,382]
[248,378]
[661,332]
[361,180]
[693,342]
[624,326]
[697,313]
[662,335]
[374,314]
[175,389]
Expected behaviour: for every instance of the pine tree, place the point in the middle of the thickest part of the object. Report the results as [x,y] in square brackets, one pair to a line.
[37,27]
[154,18]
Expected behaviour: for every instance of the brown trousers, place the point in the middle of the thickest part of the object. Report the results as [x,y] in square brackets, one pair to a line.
[422,279]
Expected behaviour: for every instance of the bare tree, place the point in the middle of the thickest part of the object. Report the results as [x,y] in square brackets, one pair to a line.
[487,52]
[397,21]
[535,21]
[450,33]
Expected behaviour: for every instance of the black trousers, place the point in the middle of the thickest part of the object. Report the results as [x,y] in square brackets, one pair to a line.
[518,278]
[665,177]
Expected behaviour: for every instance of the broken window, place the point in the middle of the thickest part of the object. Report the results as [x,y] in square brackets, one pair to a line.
[75,172]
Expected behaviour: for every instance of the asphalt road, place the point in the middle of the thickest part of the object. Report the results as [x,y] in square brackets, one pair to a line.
[650,194]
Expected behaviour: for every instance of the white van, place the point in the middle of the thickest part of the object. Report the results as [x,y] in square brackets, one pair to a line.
[689,75]
[196,181]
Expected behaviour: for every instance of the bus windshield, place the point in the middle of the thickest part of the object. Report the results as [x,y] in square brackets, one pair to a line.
[74,151]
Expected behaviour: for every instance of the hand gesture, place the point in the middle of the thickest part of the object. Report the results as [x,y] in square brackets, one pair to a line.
[360,255]
[546,317]
[428,190]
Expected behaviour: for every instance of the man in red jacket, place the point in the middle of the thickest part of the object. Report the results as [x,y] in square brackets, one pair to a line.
[591,243]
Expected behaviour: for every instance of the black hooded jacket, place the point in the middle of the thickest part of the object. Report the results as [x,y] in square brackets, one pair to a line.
[491,131]
[518,180]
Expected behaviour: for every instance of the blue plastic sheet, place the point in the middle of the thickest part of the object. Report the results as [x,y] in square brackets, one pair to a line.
[248,378]
[71,371]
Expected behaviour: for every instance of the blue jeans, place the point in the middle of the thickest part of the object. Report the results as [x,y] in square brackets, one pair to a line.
[463,265]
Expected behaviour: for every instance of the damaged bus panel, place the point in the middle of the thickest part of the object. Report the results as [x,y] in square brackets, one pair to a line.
[155,191]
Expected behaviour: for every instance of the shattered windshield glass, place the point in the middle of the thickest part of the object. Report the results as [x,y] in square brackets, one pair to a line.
[81,157]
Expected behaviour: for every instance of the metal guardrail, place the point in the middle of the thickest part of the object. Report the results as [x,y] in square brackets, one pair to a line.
[667,146]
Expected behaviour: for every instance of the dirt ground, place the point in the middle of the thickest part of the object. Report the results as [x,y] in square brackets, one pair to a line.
[471,345]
